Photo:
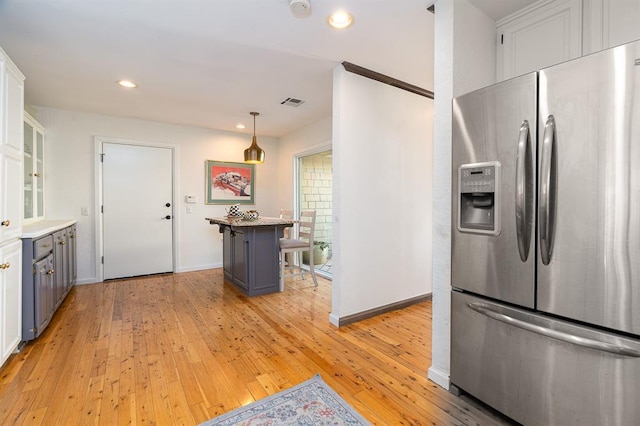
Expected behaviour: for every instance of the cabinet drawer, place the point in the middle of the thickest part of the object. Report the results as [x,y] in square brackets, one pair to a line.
[42,246]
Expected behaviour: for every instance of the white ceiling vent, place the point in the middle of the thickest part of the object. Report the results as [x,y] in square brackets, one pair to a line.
[292,102]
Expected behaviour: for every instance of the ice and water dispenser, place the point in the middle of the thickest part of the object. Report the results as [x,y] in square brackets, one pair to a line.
[478,198]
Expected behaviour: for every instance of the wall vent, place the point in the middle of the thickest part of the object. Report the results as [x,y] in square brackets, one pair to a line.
[292,102]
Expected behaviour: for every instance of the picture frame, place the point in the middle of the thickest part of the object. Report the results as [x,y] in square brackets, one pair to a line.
[229,183]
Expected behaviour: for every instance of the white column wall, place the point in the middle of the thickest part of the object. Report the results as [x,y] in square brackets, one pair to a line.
[382,158]
[464,60]
[70,179]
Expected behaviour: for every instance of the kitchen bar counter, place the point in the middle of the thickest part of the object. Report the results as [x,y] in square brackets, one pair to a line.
[262,221]
[251,251]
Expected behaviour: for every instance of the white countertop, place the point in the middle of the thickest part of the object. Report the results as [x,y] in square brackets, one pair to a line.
[38,229]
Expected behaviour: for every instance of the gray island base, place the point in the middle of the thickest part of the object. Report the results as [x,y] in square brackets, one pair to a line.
[250,252]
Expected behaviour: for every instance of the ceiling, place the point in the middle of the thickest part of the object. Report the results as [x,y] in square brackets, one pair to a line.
[498,9]
[208,63]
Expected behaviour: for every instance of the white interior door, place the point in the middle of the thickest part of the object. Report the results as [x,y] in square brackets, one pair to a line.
[137,210]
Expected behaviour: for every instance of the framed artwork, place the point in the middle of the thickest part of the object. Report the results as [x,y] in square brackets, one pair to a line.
[229,183]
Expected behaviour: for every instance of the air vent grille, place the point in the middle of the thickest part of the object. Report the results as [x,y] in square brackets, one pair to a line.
[292,102]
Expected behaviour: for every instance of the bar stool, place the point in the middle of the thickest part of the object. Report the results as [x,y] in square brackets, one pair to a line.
[304,242]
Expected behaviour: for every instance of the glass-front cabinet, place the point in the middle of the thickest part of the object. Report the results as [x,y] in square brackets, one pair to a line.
[33,169]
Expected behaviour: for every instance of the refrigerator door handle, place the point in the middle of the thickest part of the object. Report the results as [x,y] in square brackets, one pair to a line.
[523,176]
[546,212]
[617,349]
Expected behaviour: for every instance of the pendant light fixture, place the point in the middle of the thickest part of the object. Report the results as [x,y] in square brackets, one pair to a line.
[254,154]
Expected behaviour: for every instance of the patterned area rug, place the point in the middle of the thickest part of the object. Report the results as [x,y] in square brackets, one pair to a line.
[309,403]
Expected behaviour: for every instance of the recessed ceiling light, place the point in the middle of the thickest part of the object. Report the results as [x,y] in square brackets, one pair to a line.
[340,20]
[240,126]
[127,84]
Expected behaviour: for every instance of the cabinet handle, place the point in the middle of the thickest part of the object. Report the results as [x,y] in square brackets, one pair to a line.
[5,265]
[36,174]
[6,223]
[50,271]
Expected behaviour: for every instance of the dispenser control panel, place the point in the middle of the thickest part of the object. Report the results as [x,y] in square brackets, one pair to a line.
[478,179]
[478,198]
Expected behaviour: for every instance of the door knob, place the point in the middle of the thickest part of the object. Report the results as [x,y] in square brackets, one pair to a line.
[167,217]
[6,223]
[168,204]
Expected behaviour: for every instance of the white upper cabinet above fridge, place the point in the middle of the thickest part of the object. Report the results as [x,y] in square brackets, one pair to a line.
[610,23]
[553,31]
[543,34]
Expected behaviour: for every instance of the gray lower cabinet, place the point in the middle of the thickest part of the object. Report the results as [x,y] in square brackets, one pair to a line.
[49,271]
[43,294]
[250,258]
[73,259]
[240,259]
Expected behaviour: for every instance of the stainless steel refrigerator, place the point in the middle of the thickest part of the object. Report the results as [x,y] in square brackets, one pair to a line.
[545,322]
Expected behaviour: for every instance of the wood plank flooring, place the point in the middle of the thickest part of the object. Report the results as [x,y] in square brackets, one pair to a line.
[179,349]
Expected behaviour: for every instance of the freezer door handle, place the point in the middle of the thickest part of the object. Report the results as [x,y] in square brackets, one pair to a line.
[523,195]
[617,349]
[548,172]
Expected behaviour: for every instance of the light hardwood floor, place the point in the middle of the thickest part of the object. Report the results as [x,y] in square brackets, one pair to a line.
[183,348]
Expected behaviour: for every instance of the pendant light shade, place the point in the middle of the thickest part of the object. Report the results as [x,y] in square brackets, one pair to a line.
[254,154]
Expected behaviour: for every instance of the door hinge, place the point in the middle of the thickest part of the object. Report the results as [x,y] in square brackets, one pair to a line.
[102,209]
[101,158]
[501,38]
[102,260]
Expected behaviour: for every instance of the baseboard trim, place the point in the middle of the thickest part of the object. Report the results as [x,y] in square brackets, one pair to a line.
[350,319]
[439,377]
[198,268]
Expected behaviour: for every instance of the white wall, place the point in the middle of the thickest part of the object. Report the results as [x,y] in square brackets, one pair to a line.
[70,178]
[308,139]
[464,60]
[382,194]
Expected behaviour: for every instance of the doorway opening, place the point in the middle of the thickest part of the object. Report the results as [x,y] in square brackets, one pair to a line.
[314,178]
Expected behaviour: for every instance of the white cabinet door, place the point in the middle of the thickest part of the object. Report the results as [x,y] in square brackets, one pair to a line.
[621,22]
[541,35]
[11,188]
[11,110]
[10,298]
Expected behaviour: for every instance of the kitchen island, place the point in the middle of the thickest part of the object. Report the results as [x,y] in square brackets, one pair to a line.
[250,252]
